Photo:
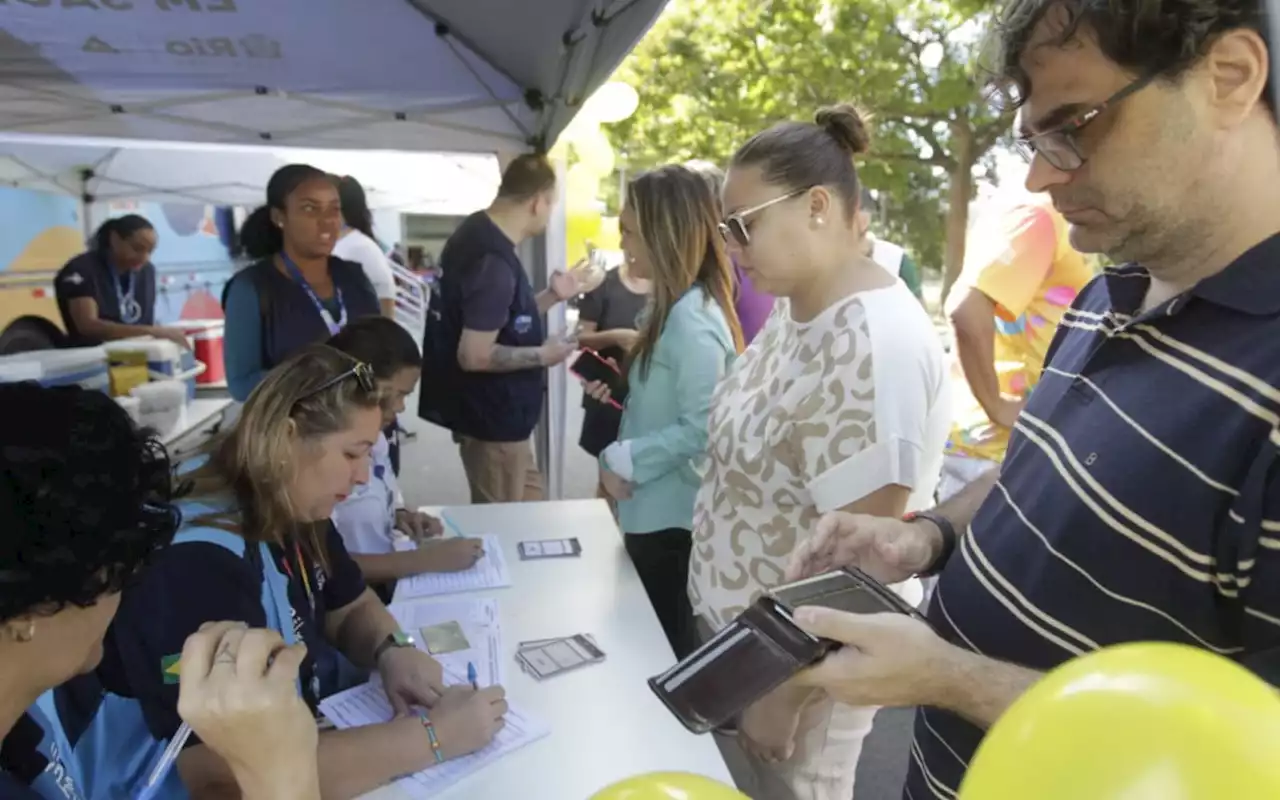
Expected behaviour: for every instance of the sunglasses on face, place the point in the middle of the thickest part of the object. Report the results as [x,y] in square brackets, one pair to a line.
[1060,147]
[734,227]
[362,372]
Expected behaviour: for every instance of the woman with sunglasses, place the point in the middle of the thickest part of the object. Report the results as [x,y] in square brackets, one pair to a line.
[374,516]
[839,404]
[687,342]
[257,547]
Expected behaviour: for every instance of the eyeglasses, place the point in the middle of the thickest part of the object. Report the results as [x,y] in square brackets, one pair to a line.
[362,372]
[1061,146]
[734,227]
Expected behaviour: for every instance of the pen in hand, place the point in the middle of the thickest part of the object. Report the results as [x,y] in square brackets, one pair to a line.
[161,770]
[472,678]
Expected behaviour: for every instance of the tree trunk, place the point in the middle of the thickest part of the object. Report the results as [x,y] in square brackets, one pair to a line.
[959,193]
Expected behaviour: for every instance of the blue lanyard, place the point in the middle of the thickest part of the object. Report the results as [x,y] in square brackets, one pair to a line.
[296,275]
[130,308]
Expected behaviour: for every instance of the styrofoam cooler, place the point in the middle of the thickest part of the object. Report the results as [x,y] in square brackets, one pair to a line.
[75,366]
[207,337]
[165,360]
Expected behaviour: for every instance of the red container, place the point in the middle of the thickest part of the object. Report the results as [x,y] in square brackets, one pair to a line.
[206,338]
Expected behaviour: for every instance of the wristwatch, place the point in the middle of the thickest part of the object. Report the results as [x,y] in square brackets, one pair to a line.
[949,539]
[393,640]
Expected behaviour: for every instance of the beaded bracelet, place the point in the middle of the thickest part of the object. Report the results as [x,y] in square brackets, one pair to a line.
[431,735]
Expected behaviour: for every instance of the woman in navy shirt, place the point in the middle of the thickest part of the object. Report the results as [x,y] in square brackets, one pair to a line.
[109,292]
[297,293]
[257,546]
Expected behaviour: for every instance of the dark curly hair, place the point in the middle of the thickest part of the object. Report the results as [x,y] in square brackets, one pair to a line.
[84,498]
[1164,38]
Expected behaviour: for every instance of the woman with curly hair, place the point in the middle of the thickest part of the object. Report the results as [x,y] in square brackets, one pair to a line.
[84,504]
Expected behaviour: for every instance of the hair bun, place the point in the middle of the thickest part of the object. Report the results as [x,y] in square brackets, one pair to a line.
[845,124]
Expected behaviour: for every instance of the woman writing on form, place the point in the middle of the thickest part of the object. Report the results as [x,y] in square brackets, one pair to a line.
[258,547]
[840,403]
[686,344]
[373,517]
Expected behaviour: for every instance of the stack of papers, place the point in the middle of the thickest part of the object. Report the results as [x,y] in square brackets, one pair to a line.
[457,633]
[490,572]
[367,705]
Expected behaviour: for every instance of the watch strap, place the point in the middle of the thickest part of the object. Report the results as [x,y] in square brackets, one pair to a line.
[949,539]
[392,640]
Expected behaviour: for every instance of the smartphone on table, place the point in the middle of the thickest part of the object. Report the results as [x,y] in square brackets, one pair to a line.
[591,367]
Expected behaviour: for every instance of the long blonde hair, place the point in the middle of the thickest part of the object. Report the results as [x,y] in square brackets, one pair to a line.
[678,223]
[252,466]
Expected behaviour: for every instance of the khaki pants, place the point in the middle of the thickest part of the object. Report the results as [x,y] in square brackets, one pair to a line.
[500,472]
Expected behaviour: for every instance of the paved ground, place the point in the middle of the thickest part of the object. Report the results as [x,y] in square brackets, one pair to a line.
[431,474]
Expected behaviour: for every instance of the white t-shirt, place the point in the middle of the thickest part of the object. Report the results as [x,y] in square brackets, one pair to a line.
[366,520]
[811,418]
[355,246]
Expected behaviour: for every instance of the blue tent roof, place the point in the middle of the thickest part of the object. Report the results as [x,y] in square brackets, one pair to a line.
[463,75]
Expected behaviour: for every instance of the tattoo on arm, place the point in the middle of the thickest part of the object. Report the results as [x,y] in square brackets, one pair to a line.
[510,359]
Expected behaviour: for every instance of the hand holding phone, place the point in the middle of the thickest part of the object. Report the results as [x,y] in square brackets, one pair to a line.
[593,368]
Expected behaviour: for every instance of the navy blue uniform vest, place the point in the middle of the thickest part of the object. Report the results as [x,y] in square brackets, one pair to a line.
[290,321]
[489,406]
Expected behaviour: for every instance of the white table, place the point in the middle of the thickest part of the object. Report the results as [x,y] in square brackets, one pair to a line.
[198,419]
[606,724]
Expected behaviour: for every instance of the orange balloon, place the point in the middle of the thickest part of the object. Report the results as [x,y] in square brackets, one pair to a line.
[669,786]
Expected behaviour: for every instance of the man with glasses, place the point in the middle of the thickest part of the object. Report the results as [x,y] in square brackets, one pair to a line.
[1139,499]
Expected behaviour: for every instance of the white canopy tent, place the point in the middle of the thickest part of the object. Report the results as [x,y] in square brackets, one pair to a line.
[414,75]
[101,170]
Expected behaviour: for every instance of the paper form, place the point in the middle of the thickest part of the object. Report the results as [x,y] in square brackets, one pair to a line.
[490,572]
[368,705]
[479,621]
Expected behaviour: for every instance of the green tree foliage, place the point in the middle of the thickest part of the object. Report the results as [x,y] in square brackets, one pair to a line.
[713,72]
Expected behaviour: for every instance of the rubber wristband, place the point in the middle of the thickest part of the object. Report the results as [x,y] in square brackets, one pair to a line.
[431,736]
[949,539]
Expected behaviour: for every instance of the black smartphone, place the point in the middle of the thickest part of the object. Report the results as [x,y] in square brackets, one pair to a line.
[590,366]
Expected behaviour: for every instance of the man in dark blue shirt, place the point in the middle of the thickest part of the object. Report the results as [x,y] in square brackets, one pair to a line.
[1140,496]
[485,353]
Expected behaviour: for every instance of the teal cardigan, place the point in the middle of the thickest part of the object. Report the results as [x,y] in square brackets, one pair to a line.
[664,425]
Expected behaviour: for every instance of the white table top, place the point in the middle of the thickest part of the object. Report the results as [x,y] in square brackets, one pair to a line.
[606,724]
[201,411]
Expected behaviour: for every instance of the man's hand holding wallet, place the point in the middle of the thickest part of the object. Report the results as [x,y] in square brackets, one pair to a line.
[767,645]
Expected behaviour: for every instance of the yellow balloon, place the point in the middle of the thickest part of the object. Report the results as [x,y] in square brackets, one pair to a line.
[613,102]
[669,786]
[1149,721]
[595,152]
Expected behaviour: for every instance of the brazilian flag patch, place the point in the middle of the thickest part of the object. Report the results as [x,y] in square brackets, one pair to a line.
[171,667]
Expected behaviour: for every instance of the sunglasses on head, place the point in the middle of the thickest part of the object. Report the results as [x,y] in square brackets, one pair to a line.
[362,372]
[734,227]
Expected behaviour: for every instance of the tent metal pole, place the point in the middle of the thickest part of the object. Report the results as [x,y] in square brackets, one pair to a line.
[86,204]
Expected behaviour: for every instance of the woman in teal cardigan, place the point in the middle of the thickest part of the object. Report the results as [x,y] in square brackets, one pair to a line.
[689,337]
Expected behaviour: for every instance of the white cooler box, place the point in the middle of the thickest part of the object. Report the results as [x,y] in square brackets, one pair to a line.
[165,360]
[76,366]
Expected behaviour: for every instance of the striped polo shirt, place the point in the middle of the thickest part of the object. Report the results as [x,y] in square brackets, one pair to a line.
[1139,499]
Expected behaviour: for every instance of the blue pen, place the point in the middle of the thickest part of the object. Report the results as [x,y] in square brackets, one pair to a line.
[472,677]
[161,770]
[449,523]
